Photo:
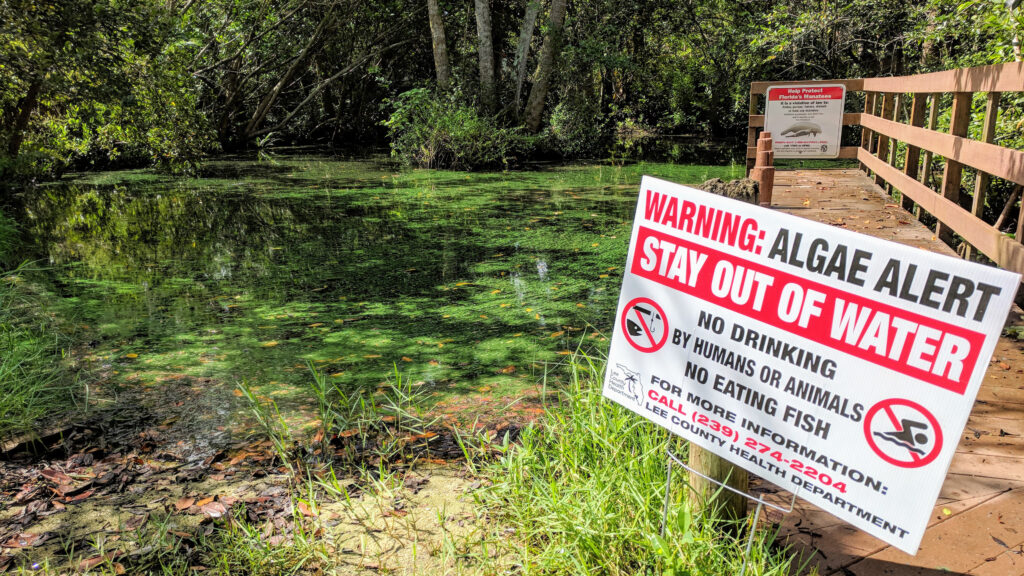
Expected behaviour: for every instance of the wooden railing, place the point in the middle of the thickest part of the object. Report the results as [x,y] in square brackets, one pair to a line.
[917,100]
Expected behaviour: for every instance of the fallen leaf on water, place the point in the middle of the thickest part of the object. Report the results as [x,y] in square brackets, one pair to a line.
[135,522]
[305,510]
[56,476]
[81,496]
[214,510]
[90,563]
[184,502]
[23,540]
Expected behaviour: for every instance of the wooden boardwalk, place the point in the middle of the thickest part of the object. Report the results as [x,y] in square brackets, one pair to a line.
[977,526]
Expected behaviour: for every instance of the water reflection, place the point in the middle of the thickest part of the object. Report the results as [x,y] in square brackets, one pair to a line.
[254,269]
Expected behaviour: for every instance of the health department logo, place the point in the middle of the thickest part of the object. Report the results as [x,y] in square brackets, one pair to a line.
[626,382]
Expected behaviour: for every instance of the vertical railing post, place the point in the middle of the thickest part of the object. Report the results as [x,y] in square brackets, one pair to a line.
[926,164]
[891,159]
[751,130]
[865,133]
[982,179]
[913,156]
[959,118]
[883,140]
[1018,191]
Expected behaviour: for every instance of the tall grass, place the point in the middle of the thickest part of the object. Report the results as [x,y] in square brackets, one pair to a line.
[583,493]
[35,380]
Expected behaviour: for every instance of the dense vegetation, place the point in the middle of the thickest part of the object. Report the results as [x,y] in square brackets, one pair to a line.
[95,83]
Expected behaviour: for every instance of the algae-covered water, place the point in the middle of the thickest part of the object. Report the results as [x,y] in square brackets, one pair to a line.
[465,282]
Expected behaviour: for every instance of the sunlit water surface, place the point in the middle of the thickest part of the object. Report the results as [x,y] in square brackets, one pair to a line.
[463,282]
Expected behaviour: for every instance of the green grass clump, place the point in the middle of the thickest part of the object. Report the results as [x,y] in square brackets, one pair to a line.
[583,494]
[35,379]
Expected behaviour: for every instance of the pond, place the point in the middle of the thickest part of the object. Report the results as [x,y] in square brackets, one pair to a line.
[465,283]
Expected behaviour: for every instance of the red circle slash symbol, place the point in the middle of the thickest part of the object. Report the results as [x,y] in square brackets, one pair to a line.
[903,433]
[644,324]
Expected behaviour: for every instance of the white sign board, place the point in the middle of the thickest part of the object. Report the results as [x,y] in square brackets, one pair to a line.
[805,121]
[836,365]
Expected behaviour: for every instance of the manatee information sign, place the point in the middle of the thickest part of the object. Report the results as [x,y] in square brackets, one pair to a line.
[805,121]
[836,365]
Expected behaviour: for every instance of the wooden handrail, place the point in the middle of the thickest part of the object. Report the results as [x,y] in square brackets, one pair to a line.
[882,130]
[998,161]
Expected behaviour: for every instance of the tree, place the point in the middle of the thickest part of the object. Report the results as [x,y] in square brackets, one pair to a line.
[438,43]
[548,53]
[523,47]
[485,53]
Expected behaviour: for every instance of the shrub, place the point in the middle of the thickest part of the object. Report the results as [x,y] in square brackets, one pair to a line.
[576,129]
[428,131]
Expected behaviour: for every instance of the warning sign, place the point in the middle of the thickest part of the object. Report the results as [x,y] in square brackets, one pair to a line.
[836,365]
[805,121]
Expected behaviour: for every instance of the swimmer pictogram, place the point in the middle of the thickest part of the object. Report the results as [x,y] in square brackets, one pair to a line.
[903,433]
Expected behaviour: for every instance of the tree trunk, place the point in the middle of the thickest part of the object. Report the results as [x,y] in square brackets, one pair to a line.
[25,108]
[440,49]
[539,91]
[485,53]
[523,49]
[928,46]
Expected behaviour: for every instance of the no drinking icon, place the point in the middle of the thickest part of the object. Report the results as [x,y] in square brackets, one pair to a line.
[644,324]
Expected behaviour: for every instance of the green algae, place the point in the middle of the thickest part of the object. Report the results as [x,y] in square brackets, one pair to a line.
[466,282]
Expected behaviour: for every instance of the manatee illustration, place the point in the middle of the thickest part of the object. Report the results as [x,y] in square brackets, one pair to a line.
[802,129]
